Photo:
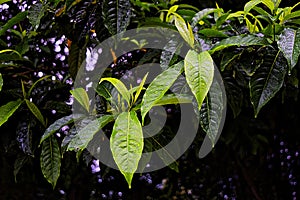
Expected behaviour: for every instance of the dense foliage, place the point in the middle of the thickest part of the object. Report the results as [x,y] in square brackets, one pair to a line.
[256,49]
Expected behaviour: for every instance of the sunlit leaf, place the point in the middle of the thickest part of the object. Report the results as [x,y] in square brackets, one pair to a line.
[82,97]
[267,80]
[199,71]
[289,44]
[140,88]
[58,124]
[50,160]
[126,144]
[121,88]
[86,134]
[158,87]
[184,30]
[240,40]
[8,109]
[4,1]
[116,15]
[16,19]
[35,111]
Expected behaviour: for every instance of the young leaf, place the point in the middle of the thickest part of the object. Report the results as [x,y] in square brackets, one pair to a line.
[1,82]
[158,87]
[16,19]
[126,144]
[35,111]
[289,44]
[57,125]
[86,134]
[8,109]
[199,72]
[240,40]
[120,87]
[3,1]
[82,97]
[50,160]
[116,15]
[212,111]
[184,30]
[140,88]
[267,80]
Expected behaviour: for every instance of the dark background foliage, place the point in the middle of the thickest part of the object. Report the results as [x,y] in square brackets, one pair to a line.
[256,158]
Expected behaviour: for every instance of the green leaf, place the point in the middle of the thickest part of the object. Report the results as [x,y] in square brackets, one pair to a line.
[120,87]
[86,134]
[8,109]
[158,87]
[201,14]
[75,58]
[16,19]
[251,4]
[174,99]
[50,160]
[35,83]
[208,32]
[267,80]
[240,40]
[82,97]
[184,30]
[58,124]
[19,163]
[35,14]
[4,1]
[171,49]
[116,15]
[212,111]
[140,88]
[289,44]
[1,82]
[292,15]
[35,111]
[199,72]
[126,144]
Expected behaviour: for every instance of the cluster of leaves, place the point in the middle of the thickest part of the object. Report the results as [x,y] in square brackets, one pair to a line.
[256,49]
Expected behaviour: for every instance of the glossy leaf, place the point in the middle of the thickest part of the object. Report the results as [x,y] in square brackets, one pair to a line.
[35,14]
[174,99]
[170,49]
[57,125]
[86,134]
[251,4]
[201,14]
[50,160]
[116,15]
[199,72]
[209,32]
[126,144]
[120,87]
[35,111]
[158,87]
[212,112]
[267,80]
[289,44]
[8,109]
[184,30]
[75,58]
[16,19]
[240,40]
[1,82]
[82,97]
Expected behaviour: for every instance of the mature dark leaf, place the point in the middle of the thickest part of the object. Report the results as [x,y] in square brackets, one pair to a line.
[19,163]
[8,109]
[86,134]
[75,58]
[16,19]
[116,15]
[35,14]
[50,160]
[1,82]
[289,44]
[24,137]
[200,15]
[172,48]
[267,80]
[240,40]
[58,124]
[126,144]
